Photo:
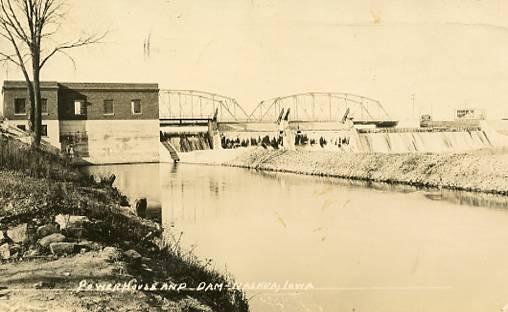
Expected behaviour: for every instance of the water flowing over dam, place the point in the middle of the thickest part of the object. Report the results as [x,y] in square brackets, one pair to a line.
[393,140]
[187,142]
[418,141]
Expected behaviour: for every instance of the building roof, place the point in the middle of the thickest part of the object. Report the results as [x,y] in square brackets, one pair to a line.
[109,86]
[18,84]
[21,84]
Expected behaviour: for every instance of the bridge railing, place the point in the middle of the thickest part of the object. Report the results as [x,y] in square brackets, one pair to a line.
[323,106]
[182,104]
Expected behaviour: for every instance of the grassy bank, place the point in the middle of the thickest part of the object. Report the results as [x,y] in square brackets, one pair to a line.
[113,245]
[480,171]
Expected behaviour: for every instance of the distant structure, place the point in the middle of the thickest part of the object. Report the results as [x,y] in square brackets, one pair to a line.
[470,113]
[96,122]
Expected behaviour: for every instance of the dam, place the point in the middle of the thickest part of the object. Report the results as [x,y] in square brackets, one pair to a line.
[321,121]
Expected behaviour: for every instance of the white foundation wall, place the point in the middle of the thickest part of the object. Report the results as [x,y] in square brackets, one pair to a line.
[53,132]
[53,136]
[116,141]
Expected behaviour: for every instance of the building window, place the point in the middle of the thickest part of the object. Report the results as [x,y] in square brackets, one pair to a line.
[79,107]
[108,107]
[21,127]
[44,130]
[136,107]
[19,107]
[44,106]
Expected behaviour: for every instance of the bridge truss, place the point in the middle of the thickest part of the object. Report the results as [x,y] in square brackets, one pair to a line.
[321,107]
[193,104]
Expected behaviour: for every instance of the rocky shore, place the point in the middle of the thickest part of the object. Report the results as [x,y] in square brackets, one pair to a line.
[479,171]
[74,243]
[484,170]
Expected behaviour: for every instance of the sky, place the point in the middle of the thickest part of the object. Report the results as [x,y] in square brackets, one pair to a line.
[449,54]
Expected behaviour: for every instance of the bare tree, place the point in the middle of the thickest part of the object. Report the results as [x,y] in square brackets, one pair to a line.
[28,26]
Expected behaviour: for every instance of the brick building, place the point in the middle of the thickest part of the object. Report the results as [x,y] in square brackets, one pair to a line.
[102,122]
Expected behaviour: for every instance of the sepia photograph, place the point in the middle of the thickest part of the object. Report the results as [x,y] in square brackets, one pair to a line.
[254,155]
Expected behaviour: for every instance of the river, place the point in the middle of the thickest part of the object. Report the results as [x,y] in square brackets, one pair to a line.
[355,247]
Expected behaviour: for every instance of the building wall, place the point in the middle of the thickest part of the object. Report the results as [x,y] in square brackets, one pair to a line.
[98,138]
[14,90]
[121,137]
[122,98]
[121,141]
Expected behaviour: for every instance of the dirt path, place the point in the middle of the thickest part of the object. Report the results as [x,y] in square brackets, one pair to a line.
[42,285]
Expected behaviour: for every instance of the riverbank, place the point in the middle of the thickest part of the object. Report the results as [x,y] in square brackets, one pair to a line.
[73,243]
[484,170]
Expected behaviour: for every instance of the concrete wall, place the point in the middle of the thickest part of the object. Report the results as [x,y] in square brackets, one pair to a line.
[53,136]
[121,141]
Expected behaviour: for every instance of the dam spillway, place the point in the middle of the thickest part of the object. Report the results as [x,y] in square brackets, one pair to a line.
[322,137]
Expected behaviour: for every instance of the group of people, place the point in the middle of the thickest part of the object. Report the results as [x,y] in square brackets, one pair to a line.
[265,142]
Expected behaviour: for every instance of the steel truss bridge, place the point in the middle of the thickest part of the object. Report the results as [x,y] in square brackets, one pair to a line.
[196,107]
[199,107]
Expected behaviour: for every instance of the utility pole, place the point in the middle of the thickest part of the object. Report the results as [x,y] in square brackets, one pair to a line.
[413,100]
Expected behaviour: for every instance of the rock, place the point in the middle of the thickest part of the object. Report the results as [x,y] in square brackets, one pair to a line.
[124,201]
[19,234]
[87,246]
[133,257]
[31,253]
[97,229]
[62,248]
[141,204]
[75,232]
[111,254]
[5,252]
[68,221]
[47,229]
[131,254]
[53,238]
[126,244]
[4,237]
[15,250]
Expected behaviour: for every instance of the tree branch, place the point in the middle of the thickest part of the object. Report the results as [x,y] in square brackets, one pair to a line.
[20,62]
[9,18]
[92,39]
[7,57]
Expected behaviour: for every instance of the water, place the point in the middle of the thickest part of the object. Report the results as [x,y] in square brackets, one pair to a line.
[362,248]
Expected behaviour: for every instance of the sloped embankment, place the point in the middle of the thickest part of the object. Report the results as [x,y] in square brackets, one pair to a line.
[482,171]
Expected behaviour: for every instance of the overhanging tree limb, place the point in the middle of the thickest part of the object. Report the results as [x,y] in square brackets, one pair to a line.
[24,24]
[71,45]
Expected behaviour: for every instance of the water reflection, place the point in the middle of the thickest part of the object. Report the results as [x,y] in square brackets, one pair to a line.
[457,197]
[140,180]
